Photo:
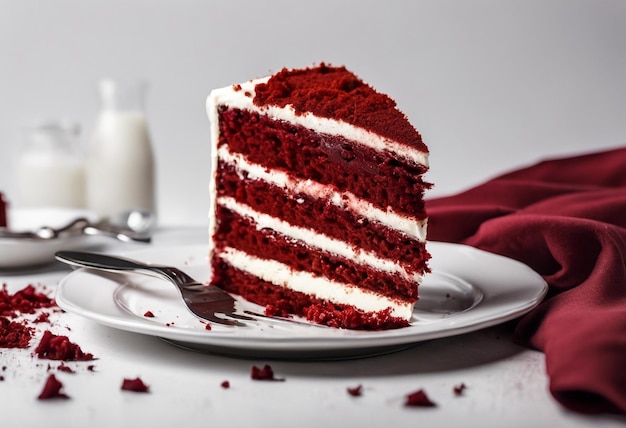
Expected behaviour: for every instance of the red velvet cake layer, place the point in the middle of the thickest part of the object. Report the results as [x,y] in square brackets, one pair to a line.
[379,178]
[282,302]
[317,214]
[243,234]
[336,93]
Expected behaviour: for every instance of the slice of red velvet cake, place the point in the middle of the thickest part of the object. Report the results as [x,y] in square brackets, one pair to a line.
[317,199]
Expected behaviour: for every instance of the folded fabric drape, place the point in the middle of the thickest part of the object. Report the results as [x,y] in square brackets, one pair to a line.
[566,219]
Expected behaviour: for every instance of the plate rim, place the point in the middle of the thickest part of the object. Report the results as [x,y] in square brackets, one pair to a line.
[339,339]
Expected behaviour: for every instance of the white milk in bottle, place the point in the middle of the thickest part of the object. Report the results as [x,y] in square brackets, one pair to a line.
[120,163]
[50,167]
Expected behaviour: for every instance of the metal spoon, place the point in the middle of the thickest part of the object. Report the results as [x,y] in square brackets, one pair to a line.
[46,232]
[82,226]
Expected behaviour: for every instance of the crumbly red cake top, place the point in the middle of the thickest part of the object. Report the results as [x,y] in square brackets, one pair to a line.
[336,93]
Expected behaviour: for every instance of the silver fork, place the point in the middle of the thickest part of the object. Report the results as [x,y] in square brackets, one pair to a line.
[202,300]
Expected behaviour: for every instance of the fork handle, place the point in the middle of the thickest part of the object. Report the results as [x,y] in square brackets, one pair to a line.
[114,263]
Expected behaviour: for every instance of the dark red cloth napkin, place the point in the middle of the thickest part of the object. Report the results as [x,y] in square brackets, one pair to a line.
[566,219]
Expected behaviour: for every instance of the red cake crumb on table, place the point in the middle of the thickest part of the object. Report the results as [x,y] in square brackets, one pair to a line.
[52,389]
[356,391]
[266,373]
[14,334]
[66,369]
[148,314]
[135,385]
[43,317]
[53,347]
[459,389]
[26,301]
[419,399]
[225,384]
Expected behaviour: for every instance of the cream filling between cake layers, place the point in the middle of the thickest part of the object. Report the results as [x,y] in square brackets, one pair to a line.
[317,240]
[345,200]
[284,276]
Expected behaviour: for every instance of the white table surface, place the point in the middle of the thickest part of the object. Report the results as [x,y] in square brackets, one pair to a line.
[506,383]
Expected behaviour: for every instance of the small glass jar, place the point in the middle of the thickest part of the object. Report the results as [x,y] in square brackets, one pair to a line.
[50,167]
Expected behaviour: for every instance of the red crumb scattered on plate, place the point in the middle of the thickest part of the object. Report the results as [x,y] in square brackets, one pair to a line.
[53,347]
[225,384]
[266,373]
[356,391]
[14,334]
[148,314]
[52,389]
[459,389]
[419,399]
[135,385]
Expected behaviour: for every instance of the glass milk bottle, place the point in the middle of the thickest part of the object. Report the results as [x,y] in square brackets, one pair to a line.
[50,167]
[120,162]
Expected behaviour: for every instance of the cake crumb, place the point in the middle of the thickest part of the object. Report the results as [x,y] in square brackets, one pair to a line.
[66,369]
[135,385]
[148,314]
[419,399]
[266,373]
[460,389]
[52,389]
[53,347]
[225,384]
[26,301]
[14,334]
[356,391]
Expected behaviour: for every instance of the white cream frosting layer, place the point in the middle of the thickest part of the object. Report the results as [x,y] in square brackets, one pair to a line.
[284,276]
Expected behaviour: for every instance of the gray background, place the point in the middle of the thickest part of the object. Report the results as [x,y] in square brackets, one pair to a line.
[491,85]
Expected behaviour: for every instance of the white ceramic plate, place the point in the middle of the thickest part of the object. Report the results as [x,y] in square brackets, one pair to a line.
[22,253]
[468,290]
